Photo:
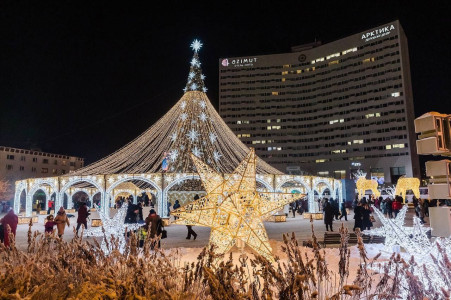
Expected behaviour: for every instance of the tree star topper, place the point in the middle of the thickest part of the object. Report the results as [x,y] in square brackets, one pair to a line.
[233,208]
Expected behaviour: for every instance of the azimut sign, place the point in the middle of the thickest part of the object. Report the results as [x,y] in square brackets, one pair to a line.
[377,33]
[239,62]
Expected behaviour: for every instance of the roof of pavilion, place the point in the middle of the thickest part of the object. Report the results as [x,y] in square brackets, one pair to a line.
[192,125]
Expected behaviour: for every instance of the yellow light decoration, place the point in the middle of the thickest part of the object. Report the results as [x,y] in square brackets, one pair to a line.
[233,208]
[364,184]
[406,183]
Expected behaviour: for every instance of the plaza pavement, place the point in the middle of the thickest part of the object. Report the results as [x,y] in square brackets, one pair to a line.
[177,233]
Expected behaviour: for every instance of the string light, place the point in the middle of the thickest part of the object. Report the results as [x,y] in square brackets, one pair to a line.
[429,256]
[114,227]
[233,207]
[406,183]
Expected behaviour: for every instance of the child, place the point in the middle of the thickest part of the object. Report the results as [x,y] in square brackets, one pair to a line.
[49,224]
[142,235]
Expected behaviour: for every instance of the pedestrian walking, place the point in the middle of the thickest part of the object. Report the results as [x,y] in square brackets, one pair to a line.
[366,220]
[9,223]
[191,232]
[154,227]
[82,218]
[176,206]
[61,221]
[358,216]
[343,211]
[293,207]
[328,215]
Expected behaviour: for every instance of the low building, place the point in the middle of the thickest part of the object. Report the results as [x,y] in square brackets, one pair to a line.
[17,164]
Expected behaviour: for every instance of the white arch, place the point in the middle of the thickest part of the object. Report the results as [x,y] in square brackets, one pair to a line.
[163,203]
[73,181]
[134,177]
[41,184]
[267,185]
[310,192]
[20,187]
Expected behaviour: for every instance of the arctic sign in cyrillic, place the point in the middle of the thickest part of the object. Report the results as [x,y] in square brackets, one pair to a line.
[377,33]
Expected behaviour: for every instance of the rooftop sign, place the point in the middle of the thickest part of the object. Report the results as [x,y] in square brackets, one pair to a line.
[377,33]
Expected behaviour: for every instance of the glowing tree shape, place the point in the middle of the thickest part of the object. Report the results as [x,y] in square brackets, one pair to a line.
[233,207]
[113,227]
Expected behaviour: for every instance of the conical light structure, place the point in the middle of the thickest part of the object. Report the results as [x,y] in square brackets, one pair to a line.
[192,126]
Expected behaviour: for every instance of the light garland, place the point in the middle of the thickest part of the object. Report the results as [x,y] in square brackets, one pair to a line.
[233,208]
[114,227]
[415,242]
[364,184]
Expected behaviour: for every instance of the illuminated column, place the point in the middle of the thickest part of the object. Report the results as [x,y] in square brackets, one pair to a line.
[312,205]
[70,204]
[29,205]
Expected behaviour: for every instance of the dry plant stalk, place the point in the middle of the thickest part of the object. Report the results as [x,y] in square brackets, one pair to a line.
[79,269]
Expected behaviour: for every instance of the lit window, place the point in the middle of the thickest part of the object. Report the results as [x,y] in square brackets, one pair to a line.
[278,120]
[349,143]
[256,142]
[279,148]
[323,173]
[275,93]
[333,55]
[268,121]
[238,122]
[349,51]
[320,160]
[378,114]
[388,147]
[342,120]
[283,79]
[358,141]
[287,66]
[334,62]
[268,128]
[299,71]
[396,94]
[398,146]
[285,73]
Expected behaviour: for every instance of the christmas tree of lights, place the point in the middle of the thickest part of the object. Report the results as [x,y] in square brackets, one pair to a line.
[191,126]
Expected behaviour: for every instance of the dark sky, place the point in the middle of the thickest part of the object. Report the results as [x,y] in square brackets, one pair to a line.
[85,78]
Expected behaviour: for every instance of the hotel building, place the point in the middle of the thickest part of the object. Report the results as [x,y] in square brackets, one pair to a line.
[16,164]
[328,109]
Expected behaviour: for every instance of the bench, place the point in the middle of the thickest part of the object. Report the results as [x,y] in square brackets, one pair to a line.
[332,238]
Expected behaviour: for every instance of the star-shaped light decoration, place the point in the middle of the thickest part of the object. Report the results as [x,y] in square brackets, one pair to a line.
[196,151]
[203,117]
[173,136]
[192,135]
[216,155]
[191,75]
[196,45]
[233,208]
[183,116]
[202,104]
[173,155]
[391,229]
[212,137]
[113,227]
[204,89]
[183,105]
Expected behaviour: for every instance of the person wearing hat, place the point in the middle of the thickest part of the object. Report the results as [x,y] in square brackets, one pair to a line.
[154,225]
[61,220]
[9,222]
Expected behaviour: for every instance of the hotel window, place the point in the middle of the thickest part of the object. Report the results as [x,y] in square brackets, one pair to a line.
[22,168]
[323,173]
[9,167]
[275,93]
[35,159]
[22,158]
[44,170]
[340,174]
[396,94]
[10,157]
[45,161]
[33,169]
[55,162]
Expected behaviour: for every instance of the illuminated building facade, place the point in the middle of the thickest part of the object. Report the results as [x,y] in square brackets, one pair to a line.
[329,109]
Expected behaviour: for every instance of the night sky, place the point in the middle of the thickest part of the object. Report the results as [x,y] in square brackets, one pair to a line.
[85,78]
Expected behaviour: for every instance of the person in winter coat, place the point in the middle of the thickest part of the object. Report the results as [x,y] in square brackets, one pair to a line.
[358,214]
[176,206]
[9,220]
[328,215]
[61,221]
[343,211]
[49,225]
[132,213]
[154,226]
[420,211]
[366,221]
[82,216]
[397,205]
[389,206]
[140,212]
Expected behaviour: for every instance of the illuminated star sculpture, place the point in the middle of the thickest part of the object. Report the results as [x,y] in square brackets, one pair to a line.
[114,227]
[233,208]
